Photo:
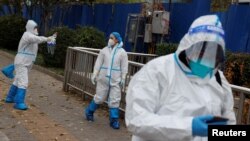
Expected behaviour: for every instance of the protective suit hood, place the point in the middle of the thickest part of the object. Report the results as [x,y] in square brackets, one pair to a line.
[205,29]
[30,26]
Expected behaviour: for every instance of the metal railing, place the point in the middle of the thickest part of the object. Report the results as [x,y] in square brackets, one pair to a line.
[135,57]
[241,104]
[79,67]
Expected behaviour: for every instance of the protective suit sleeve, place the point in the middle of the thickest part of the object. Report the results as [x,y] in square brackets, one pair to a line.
[142,103]
[228,105]
[31,38]
[99,61]
[124,64]
[93,78]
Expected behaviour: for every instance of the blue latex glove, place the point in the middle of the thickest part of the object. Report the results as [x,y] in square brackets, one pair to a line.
[200,125]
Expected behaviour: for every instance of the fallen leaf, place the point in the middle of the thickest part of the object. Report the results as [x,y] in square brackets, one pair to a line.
[57,124]
[32,105]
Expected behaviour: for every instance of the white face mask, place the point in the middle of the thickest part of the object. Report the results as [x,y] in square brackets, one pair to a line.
[35,31]
[111,42]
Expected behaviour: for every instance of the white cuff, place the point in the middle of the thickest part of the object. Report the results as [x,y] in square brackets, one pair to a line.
[124,76]
[95,72]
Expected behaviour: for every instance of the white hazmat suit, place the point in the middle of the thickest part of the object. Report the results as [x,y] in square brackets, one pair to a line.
[114,61]
[26,55]
[110,69]
[164,97]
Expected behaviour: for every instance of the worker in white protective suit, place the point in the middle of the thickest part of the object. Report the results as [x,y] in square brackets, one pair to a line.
[174,97]
[26,55]
[110,72]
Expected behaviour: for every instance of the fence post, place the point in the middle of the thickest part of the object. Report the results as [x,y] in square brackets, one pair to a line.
[241,106]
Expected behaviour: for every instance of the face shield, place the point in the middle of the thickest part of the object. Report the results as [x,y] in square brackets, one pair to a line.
[206,53]
[204,57]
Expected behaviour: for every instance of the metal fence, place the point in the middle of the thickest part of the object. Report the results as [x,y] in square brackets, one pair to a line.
[135,57]
[241,104]
[79,67]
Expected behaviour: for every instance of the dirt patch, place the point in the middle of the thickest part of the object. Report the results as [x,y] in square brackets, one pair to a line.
[41,126]
[36,122]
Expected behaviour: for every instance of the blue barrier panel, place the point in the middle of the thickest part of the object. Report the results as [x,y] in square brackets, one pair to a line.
[113,17]
[237,28]
[183,14]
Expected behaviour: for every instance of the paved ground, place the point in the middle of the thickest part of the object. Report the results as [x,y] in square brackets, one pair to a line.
[53,115]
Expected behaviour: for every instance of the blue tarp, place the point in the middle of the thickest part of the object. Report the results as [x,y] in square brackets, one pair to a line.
[183,14]
[113,17]
[238,28]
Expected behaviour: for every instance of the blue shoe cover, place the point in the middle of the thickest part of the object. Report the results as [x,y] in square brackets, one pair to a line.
[11,95]
[114,123]
[8,71]
[19,99]
[21,106]
[89,115]
[89,111]
[114,118]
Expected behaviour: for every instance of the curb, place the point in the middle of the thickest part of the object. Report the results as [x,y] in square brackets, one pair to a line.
[36,67]
[50,73]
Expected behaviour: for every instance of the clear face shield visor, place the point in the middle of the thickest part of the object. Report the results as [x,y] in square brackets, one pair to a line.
[207,53]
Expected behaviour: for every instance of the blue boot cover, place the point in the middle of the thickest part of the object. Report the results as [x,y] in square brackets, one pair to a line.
[89,111]
[19,99]
[114,118]
[11,95]
[8,71]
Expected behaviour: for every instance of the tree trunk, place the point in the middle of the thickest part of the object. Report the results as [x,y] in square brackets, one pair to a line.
[18,7]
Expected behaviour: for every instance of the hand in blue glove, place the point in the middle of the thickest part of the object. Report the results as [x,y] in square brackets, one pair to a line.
[200,125]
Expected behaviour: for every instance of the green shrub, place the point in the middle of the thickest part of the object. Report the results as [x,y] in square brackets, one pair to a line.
[65,38]
[82,36]
[165,48]
[90,37]
[11,30]
[237,69]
